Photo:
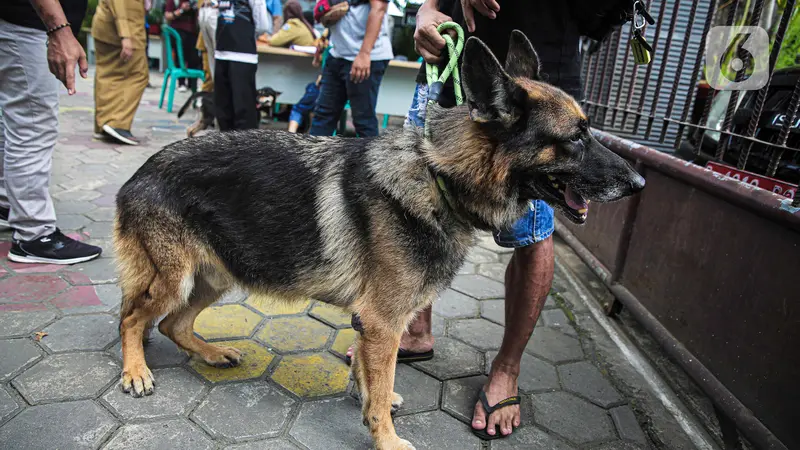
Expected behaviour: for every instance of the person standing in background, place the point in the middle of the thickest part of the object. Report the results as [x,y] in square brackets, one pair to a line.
[182,16]
[31,42]
[208,15]
[121,74]
[361,50]
[240,21]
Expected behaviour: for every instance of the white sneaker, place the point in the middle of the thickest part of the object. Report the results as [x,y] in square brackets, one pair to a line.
[182,89]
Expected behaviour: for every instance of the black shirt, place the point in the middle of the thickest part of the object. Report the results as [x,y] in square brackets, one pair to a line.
[547,24]
[21,12]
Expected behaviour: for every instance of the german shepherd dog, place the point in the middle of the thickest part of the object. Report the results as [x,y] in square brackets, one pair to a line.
[377,226]
[266,98]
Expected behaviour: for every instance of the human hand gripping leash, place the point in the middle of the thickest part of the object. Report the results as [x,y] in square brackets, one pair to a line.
[436,81]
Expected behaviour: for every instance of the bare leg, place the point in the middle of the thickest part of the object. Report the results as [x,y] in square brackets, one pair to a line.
[419,337]
[293,126]
[529,276]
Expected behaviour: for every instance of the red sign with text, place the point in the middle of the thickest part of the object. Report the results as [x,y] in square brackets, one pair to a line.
[771,184]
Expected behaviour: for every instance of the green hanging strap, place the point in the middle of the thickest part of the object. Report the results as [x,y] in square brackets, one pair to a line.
[435,81]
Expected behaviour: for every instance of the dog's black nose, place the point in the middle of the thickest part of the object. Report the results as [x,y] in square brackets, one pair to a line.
[637,183]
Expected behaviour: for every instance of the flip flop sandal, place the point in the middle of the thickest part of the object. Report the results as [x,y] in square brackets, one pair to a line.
[404,356]
[489,410]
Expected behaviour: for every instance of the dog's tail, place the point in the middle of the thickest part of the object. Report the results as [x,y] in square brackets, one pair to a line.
[186,105]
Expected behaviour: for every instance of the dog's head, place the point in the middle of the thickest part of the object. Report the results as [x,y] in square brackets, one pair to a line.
[549,151]
[266,98]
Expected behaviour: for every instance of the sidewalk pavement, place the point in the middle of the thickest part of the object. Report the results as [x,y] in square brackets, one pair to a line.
[60,348]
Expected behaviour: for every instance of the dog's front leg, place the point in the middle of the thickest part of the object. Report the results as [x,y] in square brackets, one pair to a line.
[374,366]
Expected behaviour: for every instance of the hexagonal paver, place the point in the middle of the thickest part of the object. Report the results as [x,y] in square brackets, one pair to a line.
[33,268]
[495,271]
[480,255]
[84,299]
[460,396]
[455,305]
[235,295]
[67,377]
[331,424]
[72,425]
[478,286]
[159,351]
[90,332]
[627,424]
[535,375]
[344,339]
[72,221]
[227,321]
[494,310]
[30,288]
[530,437]
[453,359]
[420,392]
[554,345]
[555,318]
[438,325]
[175,434]
[274,307]
[312,375]
[572,418]
[96,271]
[75,207]
[22,323]
[291,334]
[7,405]
[79,195]
[17,354]
[99,229]
[176,392]
[584,379]
[332,315]
[244,411]
[103,214]
[466,269]
[437,430]
[255,360]
[479,333]
[270,444]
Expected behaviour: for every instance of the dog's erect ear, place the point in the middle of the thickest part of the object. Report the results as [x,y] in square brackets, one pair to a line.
[491,94]
[522,60]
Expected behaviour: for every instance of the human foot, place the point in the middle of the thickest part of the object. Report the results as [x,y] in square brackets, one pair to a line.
[500,388]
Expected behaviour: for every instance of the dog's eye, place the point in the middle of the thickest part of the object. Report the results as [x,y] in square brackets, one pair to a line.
[577,140]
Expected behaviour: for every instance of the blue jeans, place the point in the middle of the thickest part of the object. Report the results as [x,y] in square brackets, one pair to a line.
[306,104]
[536,225]
[336,89]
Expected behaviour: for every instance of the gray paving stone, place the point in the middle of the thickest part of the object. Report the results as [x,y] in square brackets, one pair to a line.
[64,426]
[572,418]
[16,355]
[438,325]
[618,445]
[555,318]
[436,430]
[23,323]
[331,424]
[453,305]
[495,271]
[244,411]
[478,286]
[530,437]
[488,243]
[72,221]
[584,379]
[627,424]
[494,310]
[466,269]
[173,434]
[96,271]
[64,377]
[159,351]
[176,392]
[74,207]
[103,214]
[420,392]
[554,346]
[84,299]
[550,302]
[99,230]
[460,396]
[535,375]
[479,255]
[270,444]
[235,295]
[76,195]
[479,333]
[8,405]
[453,359]
[573,302]
[89,332]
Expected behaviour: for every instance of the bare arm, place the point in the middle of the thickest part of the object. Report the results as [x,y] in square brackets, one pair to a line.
[63,50]
[277,22]
[377,9]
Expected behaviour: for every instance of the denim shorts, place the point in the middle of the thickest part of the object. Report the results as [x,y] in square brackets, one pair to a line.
[536,225]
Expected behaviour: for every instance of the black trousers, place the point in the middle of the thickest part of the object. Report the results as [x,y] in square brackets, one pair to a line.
[235,95]
[190,56]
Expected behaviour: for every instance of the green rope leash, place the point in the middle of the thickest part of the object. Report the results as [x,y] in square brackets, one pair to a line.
[435,81]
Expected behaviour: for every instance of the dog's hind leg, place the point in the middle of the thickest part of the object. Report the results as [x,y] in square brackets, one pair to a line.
[179,325]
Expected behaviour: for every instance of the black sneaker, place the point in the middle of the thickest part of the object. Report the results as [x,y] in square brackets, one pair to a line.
[55,248]
[4,218]
[120,135]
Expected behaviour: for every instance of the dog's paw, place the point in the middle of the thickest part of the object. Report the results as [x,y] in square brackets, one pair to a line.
[397,402]
[137,381]
[223,357]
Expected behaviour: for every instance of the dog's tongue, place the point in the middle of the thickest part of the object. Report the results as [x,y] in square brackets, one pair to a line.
[575,201]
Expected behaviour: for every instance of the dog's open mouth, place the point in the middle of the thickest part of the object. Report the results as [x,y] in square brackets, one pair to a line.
[564,198]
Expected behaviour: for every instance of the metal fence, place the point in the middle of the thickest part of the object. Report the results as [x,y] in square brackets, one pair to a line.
[669,105]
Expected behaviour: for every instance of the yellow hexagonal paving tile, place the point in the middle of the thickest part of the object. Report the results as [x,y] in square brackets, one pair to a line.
[333,315]
[255,360]
[312,375]
[344,338]
[289,334]
[226,321]
[270,306]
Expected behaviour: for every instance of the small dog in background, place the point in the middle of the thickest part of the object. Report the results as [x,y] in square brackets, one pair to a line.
[266,98]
